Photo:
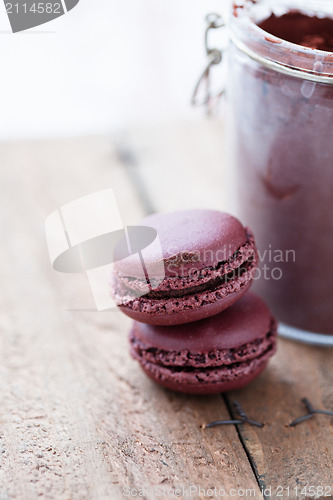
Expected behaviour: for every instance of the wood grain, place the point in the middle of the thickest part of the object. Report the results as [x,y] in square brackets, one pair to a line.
[78,419]
[295,457]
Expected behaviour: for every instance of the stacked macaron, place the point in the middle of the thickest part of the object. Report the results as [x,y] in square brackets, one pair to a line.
[196,328]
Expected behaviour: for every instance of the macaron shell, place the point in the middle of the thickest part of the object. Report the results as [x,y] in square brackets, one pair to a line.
[222,381]
[180,315]
[200,237]
[247,320]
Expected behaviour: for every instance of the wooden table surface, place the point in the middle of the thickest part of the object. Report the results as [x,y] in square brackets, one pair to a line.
[78,418]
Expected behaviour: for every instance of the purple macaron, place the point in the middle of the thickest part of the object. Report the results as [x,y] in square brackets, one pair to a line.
[217,354]
[208,261]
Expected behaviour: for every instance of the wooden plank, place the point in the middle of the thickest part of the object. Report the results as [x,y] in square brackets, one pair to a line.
[78,419]
[298,457]
[184,167]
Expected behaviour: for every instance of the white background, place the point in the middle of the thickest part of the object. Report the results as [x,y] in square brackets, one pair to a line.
[106,64]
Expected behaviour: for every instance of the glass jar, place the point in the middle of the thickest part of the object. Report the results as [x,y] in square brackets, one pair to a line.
[280,135]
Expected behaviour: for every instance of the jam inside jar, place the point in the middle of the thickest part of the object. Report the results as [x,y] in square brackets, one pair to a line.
[280,135]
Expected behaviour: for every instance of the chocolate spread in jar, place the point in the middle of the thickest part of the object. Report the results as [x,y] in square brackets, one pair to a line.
[284,154]
[296,27]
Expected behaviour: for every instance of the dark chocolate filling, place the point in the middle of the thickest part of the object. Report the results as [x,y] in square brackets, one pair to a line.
[197,371]
[237,364]
[209,285]
[189,361]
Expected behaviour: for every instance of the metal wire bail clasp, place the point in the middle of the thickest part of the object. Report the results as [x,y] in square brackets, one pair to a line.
[214,56]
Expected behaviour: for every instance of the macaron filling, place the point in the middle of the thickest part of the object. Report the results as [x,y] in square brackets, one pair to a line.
[214,367]
[209,376]
[186,359]
[206,285]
